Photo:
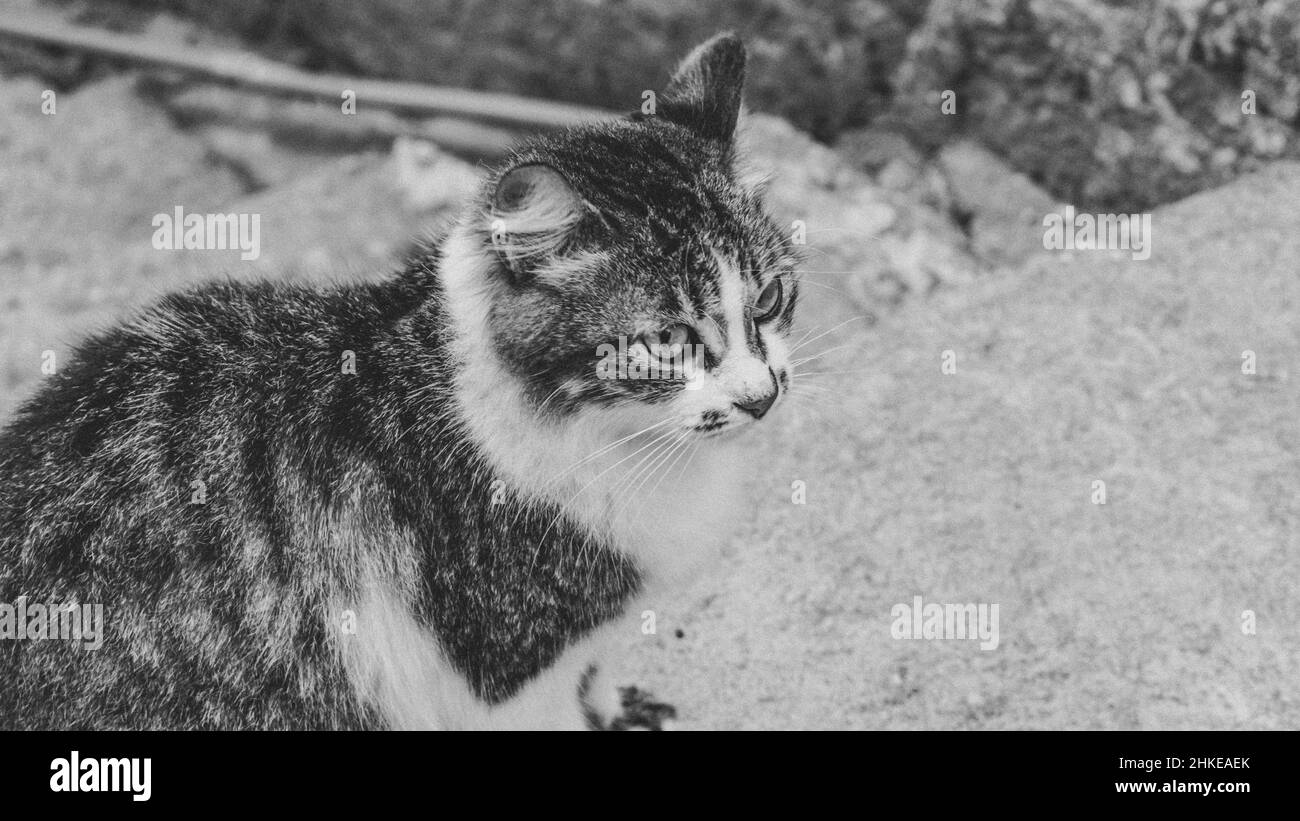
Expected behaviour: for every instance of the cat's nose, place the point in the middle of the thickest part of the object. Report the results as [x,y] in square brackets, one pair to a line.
[758,407]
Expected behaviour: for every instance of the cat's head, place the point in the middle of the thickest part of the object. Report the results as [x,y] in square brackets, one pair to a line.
[631,272]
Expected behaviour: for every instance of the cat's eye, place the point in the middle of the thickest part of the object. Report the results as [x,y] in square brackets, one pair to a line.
[769,301]
[667,343]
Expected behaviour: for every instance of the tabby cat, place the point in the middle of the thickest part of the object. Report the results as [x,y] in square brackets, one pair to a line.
[427,502]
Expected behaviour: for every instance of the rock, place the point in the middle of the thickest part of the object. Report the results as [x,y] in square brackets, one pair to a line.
[255,157]
[865,242]
[429,178]
[1005,209]
[80,190]
[1224,157]
[1046,85]
[101,138]
[871,149]
[899,175]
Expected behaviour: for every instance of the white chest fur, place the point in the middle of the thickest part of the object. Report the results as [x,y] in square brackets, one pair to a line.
[665,497]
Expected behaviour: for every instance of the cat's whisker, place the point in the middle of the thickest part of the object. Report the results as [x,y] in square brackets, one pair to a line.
[817,284]
[802,390]
[851,231]
[810,248]
[542,539]
[803,374]
[802,337]
[829,271]
[686,444]
[645,470]
[807,391]
[827,331]
[651,470]
[814,401]
[602,450]
[797,362]
[647,463]
[541,407]
[630,476]
[695,448]
[596,454]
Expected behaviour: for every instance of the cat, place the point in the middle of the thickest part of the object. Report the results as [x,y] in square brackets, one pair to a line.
[429,502]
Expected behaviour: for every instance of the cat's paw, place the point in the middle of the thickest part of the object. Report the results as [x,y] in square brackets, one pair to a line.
[641,712]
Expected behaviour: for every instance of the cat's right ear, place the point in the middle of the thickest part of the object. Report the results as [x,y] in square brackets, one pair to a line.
[534,213]
[704,94]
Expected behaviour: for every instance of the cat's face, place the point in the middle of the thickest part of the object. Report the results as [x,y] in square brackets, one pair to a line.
[636,276]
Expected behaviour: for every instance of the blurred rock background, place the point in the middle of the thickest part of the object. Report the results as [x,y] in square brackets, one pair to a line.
[1109,104]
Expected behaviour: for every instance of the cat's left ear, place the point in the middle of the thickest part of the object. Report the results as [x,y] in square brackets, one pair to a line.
[534,213]
[704,94]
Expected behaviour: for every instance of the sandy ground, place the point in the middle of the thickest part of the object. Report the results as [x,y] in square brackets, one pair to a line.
[975,486]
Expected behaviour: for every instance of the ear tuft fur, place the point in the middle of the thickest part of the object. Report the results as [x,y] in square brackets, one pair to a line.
[704,94]
[534,210]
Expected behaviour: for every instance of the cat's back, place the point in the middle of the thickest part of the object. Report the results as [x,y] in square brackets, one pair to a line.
[149,473]
[192,385]
[222,342]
